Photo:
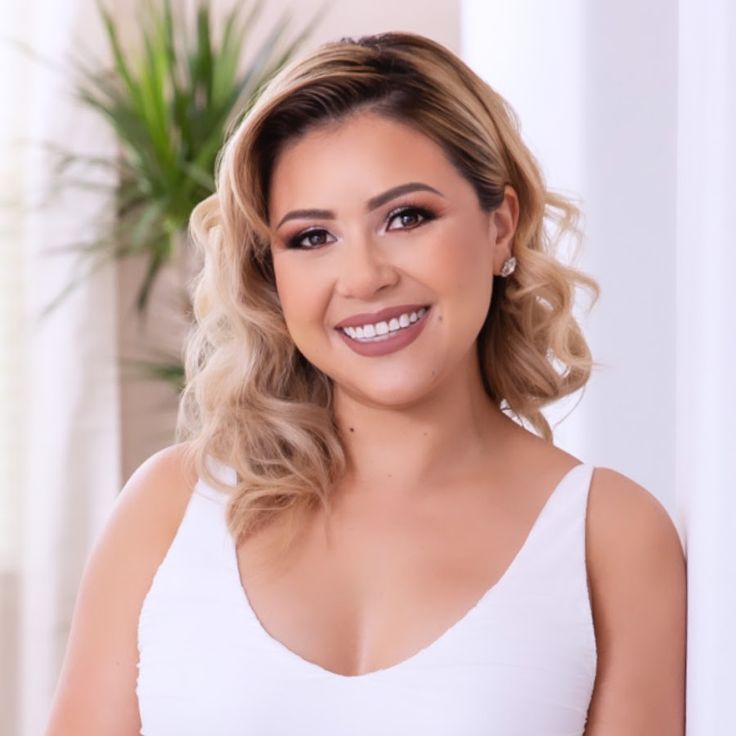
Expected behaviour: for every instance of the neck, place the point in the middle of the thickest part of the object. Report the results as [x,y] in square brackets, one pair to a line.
[395,453]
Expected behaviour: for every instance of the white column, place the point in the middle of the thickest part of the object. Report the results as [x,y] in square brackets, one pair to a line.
[706,353]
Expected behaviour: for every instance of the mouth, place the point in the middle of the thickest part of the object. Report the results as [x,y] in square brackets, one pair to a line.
[386,337]
[385,329]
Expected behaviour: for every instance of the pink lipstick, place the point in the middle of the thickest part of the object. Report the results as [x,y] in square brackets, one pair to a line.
[373,343]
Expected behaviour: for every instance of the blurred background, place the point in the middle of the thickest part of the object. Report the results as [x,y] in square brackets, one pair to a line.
[109,124]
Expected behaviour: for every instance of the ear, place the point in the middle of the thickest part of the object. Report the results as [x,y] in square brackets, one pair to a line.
[502,228]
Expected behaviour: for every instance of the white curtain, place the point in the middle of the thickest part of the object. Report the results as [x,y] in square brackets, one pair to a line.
[59,429]
[632,107]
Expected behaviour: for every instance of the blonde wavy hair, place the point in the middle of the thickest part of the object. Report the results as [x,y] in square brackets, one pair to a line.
[251,400]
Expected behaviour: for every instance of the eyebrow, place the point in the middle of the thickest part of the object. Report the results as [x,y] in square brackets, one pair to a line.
[372,204]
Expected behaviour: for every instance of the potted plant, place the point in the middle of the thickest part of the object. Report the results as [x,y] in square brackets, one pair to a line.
[171,103]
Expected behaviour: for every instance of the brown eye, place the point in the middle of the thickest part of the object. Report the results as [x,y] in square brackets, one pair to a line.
[312,238]
[408,217]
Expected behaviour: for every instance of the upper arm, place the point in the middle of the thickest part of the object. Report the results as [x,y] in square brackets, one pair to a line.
[95,693]
[637,570]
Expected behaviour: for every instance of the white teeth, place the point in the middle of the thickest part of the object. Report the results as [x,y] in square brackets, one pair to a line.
[381,329]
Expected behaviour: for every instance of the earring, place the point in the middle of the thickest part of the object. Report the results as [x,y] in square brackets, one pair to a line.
[508,266]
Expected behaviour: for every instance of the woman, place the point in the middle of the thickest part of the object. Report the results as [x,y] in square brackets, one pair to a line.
[352,534]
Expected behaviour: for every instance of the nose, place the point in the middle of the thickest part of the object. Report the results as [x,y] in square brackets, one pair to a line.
[363,268]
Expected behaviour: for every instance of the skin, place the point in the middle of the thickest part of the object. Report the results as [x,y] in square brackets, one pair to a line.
[442,488]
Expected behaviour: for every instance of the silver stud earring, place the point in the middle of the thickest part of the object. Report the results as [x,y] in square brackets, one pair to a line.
[508,266]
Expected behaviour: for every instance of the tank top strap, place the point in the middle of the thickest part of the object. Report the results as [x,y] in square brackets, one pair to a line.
[553,555]
[211,538]
[222,472]
[201,547]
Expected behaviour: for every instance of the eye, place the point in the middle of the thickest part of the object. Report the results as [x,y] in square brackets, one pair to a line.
[412,213]
[309,235]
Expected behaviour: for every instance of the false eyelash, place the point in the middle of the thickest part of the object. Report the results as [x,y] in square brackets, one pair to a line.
[427,214]
[423,211]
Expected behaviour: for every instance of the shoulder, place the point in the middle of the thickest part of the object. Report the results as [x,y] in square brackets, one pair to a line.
[637,573]
[151,504]
[626,524]
[159,489]
[96,687]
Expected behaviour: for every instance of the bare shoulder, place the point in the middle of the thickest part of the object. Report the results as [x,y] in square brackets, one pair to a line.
[637,573]
[96,689]
[158,491]
[622,510]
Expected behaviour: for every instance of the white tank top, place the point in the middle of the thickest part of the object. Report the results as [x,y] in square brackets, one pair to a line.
[521,662]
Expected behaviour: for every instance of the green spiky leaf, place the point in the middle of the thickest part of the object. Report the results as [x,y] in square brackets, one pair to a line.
[170,98]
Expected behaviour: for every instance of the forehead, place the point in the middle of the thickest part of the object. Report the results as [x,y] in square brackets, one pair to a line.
[349,158]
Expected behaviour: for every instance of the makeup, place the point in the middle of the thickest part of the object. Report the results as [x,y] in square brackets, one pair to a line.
[389,342]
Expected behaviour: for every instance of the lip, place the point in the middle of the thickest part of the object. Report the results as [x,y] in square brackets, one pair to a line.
[383,315]
[389,344]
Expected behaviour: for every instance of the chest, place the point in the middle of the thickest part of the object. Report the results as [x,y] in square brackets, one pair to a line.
[375,586]
[390,597]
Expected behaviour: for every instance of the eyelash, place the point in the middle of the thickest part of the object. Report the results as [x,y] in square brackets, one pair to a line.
[404,209]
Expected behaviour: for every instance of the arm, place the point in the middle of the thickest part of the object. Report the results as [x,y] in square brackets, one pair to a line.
[95,694]
[637,572]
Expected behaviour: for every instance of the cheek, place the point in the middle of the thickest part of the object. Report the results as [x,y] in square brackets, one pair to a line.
[459,274]
[460,269]
[302,301]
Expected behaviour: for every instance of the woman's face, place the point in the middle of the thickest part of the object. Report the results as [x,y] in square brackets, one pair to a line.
[373,226]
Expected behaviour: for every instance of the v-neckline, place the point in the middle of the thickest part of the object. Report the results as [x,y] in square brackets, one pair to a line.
[244,601]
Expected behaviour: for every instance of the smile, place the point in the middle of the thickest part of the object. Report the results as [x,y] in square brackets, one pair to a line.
[388,336]
[383,330]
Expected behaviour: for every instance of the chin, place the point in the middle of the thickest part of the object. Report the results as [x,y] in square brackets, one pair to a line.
[396,394]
